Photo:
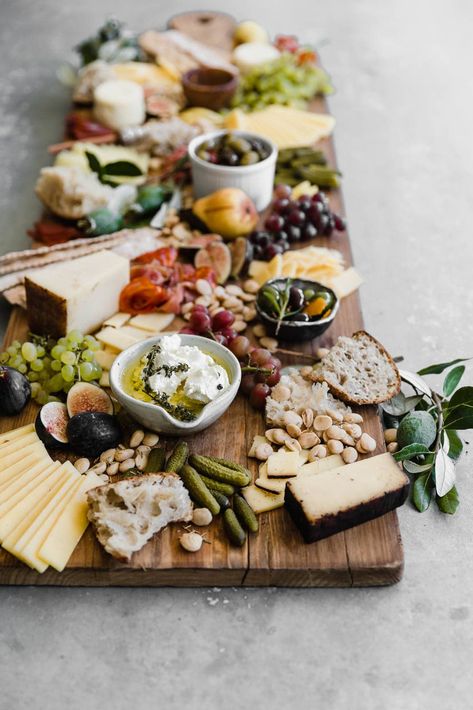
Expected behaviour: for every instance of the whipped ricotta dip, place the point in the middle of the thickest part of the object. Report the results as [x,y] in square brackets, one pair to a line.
[180,378]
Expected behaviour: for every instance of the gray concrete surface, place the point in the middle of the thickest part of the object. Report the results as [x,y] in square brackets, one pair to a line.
[403,73]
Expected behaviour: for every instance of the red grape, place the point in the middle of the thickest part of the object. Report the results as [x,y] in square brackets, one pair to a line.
[340,224]
[222,319]
[188,331]
[274,223]
[274,377]
[240,346]
[283,191]
[309,232]
[260,356]
[280,206]
[258,395]
[200,307]
[229,333]
[247,384]
[200,321]
[296,217]
[220,338]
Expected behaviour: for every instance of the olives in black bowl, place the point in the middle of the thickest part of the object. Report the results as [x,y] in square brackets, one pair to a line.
[233,149]
[296,309]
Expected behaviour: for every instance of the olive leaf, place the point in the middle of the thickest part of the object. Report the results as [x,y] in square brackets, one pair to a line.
[452,380]
[417,382]
[449,502]
[456,444]
[94,163]
[459,411]
[440,367]
[399,405]
[422,492]
[122,167]
[444,472]
[415,468]
[410,451]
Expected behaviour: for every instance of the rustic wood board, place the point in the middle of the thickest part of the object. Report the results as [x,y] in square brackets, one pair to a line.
[368,555]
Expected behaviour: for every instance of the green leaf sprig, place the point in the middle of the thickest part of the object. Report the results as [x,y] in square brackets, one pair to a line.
[432,468]
[118,168]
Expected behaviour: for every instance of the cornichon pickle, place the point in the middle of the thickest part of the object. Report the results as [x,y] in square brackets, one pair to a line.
[177,458]
[230,464]
[221,498]
[233,529]
[198,491]
[156,460]
[214,469]
[224,488]
[101,221]
[245,514]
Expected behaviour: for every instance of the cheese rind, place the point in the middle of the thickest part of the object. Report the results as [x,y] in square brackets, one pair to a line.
[262,501]
[329,502]
[75,295]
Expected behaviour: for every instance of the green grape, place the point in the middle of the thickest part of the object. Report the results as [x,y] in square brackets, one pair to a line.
[56,365]
[16,362]
[4,357]
[16,344]
[74,336]
[62,342]
[47,362]
[87,371]
[91,342]
[11,350]
[68,358]
[35,389]
[40,351]
[33,376]
[67,373]
[43,376]
[28,351]
[88,355]
[37,365]
[23,368]
[57,351]
[52,398]
[42,397]
[56,383]
[67,386]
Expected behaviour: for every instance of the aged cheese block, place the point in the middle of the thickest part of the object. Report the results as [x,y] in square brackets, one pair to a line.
[119,103]
[335,500]
[75,295]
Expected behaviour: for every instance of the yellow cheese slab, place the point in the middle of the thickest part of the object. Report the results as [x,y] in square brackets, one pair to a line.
[17,483]
[117,320]
[320,465]
[283,464]
[20,506]
[69,526]
[152,322]
[18,443]
[115,338]
[105,358]
[6,461]
[16,433]
[19,467]
[104,379]
[273,485]
[346,283]
[23,543]
[262,501]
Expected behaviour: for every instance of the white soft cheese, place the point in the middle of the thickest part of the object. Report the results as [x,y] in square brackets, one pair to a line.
[204,379]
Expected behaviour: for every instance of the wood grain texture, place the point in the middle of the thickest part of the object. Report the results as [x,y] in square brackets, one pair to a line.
[368,555]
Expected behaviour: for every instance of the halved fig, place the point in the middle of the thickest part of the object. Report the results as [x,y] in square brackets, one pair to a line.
[51,425]
[241,250]
[91,433]
[86,397]
[217,256]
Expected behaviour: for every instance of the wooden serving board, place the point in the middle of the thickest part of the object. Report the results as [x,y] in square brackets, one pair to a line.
[368,555]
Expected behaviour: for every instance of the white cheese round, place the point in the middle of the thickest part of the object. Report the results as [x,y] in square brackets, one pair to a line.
[119,104]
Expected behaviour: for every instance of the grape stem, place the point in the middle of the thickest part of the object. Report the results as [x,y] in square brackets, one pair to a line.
[259,370]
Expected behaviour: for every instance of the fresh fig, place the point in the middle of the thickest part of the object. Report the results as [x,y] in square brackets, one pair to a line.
[51,424]
[91,433]
[15,391]
[217,256]
[241,250]
[86,397]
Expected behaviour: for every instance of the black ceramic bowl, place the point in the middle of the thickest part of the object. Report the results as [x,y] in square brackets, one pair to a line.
[298,330]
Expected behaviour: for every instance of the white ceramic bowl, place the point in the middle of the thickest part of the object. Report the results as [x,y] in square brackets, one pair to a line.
[255,180]
[154,417]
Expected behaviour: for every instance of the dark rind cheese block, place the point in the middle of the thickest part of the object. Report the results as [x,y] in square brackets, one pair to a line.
[324,504]
[47,312]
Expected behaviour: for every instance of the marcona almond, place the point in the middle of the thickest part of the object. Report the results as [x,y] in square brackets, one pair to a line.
[353,430]
[136,438]
[202,516]
[259,330]
[220,292]
[233,304]
[318,452]
[203,287]
[292,418]
[125,466]
[239,326]
[99,468]
[248,297]
[82,465]
[335,432]
[308,440]
[305,371]
[123,454]
[187,307]
[141,459]
[335,415]
[249,313]
[348,440]
[251,286]
[335,446]
[108,455]
[367,443]
[292,444]
[112,468]
[322,422]
[203,300]
[277,436]
[308,417]
[143,449]
[353,418]
[233,290]
[191,541]
[269,343]
[390,436]
[263,452]
[150,439]
[349,455]
[392,447]
[293,430]
[280,393]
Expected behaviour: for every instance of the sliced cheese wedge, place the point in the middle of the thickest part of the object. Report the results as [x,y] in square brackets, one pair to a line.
[18,444]
[272,485]
[69,527]
[16,433]
[30,469]
[19,468]
[26,544]
[320,465]
[6,461]
[152,322]
[117,320]
[21,503]
[115,338]
[262,501]
[105,359]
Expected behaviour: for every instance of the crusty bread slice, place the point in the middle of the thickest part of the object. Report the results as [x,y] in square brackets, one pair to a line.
[127,513]
[358,370]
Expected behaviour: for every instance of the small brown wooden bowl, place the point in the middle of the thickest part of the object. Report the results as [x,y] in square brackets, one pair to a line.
[210,88]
